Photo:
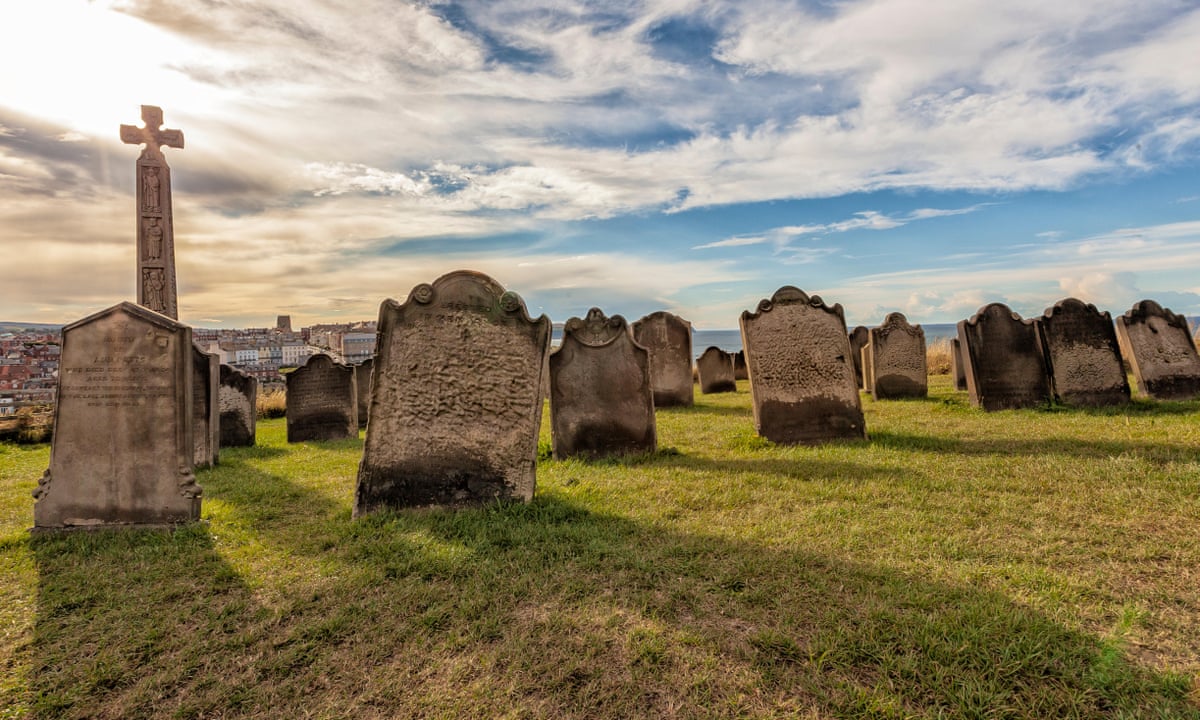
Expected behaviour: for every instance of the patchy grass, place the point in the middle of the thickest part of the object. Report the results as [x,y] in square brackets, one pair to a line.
[1022,564]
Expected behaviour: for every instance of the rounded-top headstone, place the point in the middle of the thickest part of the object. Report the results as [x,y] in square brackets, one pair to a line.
[668,338]
[1159,347]
[1003,359]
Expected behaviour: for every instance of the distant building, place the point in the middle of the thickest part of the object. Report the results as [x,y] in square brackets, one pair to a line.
[357,346]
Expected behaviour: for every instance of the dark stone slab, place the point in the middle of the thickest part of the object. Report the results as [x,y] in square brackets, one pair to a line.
[740,371]
[714,370]
[1083,355]
[362,383]
[802,380]
[1003,360]
[456,401]
[322,401]
[601,402]
[122,448]
[858,340]
[206,413]
[960,373]
[894,360]
[668,338]
[1161,351]
[237,399]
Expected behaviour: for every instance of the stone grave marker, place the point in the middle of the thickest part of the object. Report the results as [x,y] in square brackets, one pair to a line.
[858,340]
[668,338]
[1083,355]
[802,380]
[122,448]
[322,401]
[206,412]
[237,399]
[601,402]
[894,360]
[456,401]
[1160,350]
[740,372]
[956,365]
[714,368]
[1003,360]
[362,382]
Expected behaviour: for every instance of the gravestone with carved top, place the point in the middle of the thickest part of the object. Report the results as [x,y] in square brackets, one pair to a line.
[1083,355]
[322,401]
[1003,360]
[668,338]
[894,362]
[1161,351]
[237,401]
[714,371]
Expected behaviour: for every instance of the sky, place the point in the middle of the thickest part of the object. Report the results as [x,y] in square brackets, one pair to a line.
[920,156]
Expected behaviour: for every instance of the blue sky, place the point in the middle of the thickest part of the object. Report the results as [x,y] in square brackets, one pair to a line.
[912,155]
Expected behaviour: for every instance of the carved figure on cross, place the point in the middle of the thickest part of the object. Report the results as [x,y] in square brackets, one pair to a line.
[153,134]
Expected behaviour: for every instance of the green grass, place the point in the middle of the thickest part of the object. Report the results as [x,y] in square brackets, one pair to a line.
[1022,564]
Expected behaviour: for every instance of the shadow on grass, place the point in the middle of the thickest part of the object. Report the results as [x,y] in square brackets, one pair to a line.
[542,610]
[1071,446]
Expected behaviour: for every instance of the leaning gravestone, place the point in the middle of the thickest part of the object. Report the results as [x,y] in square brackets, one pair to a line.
[362,382]
[894,360]
[122,447]
[206,413]
[237,399]
[322,401]
[1161,351]
[668,338]
[1083,355]
[858,340]
[456,401]
[601,402]
[956,365]
[1003,360]
[714,368]
[802,381]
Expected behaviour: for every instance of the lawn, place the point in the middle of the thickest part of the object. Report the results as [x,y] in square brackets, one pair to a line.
[1021,564]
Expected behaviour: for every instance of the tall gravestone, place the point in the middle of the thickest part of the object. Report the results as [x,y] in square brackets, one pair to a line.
[1083,355]
[237,401]
[157,287]
[714,369]
[668,338]
[206,411]
[322,401]
[1160,350]
[894,360]
[456,398]
[121,453]
[858,340]
[956,365]
[802,380]
[601,402]
[1003,360]
[362,383]
[740,372]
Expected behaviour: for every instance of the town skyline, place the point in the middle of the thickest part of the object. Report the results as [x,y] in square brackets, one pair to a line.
[887,155]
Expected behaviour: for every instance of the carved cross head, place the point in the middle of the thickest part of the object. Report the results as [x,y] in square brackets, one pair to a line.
[153,134]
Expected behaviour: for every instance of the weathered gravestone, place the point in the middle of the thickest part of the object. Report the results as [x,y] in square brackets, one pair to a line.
[714,369]
[956,365]
[1003,360]
[601,402]
[362,383]
[1083,355]
[1160,350]
[802,381]
[740,372]
[322,401]
[237,399]
[858,340]
[668,338]
[456,402]
[122,447]
[894,364]
[206,412]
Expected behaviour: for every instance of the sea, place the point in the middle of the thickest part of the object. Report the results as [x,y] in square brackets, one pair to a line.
[731,340]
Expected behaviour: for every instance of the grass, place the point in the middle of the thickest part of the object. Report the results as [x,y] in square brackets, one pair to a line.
[1021,564]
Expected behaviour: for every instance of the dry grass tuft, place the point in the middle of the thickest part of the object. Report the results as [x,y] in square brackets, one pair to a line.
[940,357]
[272,404]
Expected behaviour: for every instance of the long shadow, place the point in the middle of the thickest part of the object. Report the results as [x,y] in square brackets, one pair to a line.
[1155,452]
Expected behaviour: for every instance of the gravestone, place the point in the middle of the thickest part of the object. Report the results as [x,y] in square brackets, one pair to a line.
[322,401]
[858,340]
[206,412]
[155,233]
[714,370]
[237,399]
[1160,350]
[894,360]
[456,401]
[362,383]
[740,372]
[668,338]
[1003,360]
[121,453]
[601,402]
[956,363]
[802,380]
[1083,355]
